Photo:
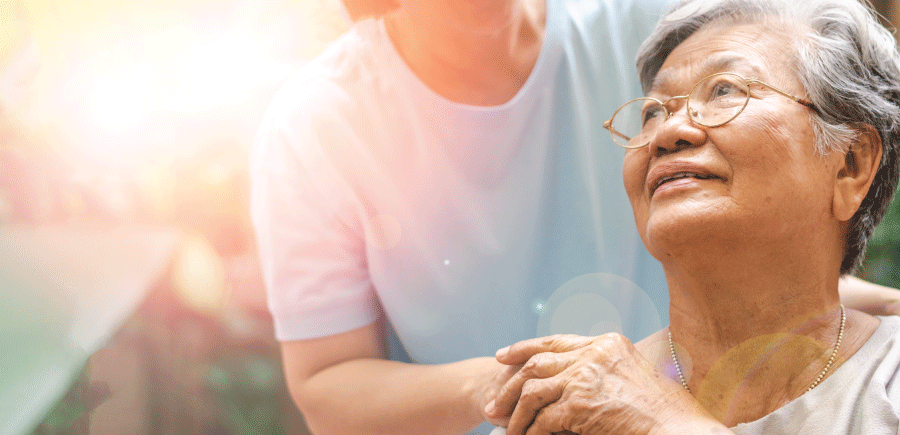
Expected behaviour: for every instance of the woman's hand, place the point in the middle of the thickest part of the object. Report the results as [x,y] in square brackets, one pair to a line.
[592,385]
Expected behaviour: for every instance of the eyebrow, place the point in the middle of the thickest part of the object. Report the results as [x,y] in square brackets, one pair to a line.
[718,63]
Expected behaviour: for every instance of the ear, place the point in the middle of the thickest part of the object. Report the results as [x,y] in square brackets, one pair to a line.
[856,173]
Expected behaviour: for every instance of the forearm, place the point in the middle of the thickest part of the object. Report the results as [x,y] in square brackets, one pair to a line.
[374,396]
[869,298]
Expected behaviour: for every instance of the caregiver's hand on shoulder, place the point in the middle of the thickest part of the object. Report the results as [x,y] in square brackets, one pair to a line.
[869,298]
[592,385]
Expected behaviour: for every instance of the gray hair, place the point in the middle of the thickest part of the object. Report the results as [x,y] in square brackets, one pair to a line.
[847,62]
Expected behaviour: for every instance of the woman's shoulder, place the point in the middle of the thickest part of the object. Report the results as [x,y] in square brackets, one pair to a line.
[887,333]
[655,348]
[878,357]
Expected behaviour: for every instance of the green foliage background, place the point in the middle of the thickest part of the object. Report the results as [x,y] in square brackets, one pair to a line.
[882,262]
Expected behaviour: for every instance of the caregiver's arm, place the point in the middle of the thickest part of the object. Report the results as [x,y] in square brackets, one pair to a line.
[343,385]
[870,298]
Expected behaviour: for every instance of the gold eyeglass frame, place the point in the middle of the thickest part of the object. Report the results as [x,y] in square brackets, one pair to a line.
[747,82]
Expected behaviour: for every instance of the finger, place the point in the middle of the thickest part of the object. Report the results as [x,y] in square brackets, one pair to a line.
[536,395]
[534,430]
[520,352]
[549,420]
[559,419]
[540,366]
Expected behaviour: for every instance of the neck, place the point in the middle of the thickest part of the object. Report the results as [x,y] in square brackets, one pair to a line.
[471,52]
[752,341]
[725,290]
[726,312]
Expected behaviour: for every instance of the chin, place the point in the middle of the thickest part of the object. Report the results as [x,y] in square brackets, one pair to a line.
[666,232]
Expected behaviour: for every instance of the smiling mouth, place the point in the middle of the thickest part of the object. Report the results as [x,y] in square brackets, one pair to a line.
[679,176]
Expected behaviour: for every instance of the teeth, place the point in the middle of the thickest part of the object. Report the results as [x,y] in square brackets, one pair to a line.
[681,175]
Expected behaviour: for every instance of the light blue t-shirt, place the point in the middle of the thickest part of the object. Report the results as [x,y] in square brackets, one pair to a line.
[473,227]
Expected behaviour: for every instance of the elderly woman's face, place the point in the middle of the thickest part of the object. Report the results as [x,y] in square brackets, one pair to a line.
[756,176]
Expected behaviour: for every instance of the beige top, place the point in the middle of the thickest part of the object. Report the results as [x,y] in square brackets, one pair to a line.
[860,397]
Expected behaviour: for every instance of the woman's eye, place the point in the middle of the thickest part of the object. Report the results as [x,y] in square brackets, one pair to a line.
[651,113]
[725,89]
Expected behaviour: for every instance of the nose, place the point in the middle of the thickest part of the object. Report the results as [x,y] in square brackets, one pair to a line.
[677,133]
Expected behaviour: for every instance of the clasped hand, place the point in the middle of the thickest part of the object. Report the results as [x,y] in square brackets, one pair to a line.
[587,385]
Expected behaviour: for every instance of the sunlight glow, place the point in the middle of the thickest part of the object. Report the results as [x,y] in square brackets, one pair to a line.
[220,72]
[198,276]
[120,101]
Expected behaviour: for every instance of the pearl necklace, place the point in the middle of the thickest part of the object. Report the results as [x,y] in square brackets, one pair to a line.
[837,345]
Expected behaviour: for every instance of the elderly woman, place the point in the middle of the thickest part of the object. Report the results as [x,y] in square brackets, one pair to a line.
[757,165]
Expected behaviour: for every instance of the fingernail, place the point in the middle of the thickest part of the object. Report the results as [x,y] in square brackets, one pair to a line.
[489,408]
[502,352]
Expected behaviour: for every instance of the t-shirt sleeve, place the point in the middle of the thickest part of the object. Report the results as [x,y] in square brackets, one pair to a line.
[309,233]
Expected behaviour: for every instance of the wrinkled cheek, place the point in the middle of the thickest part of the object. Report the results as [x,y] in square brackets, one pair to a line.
[634,174]
[777,136]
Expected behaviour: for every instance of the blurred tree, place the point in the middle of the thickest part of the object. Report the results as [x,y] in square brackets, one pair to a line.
[882,262]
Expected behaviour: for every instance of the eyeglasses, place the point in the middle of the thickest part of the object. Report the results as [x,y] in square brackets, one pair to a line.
[714,101]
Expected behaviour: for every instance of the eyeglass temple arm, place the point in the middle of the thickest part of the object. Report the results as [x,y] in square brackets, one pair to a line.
[802,101]
[608,125]
[808,104]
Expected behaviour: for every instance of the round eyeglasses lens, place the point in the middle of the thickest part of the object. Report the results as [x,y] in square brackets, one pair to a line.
[718,99]
[634,122]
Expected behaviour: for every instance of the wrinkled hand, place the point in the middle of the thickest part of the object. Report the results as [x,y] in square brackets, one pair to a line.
[590,385]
